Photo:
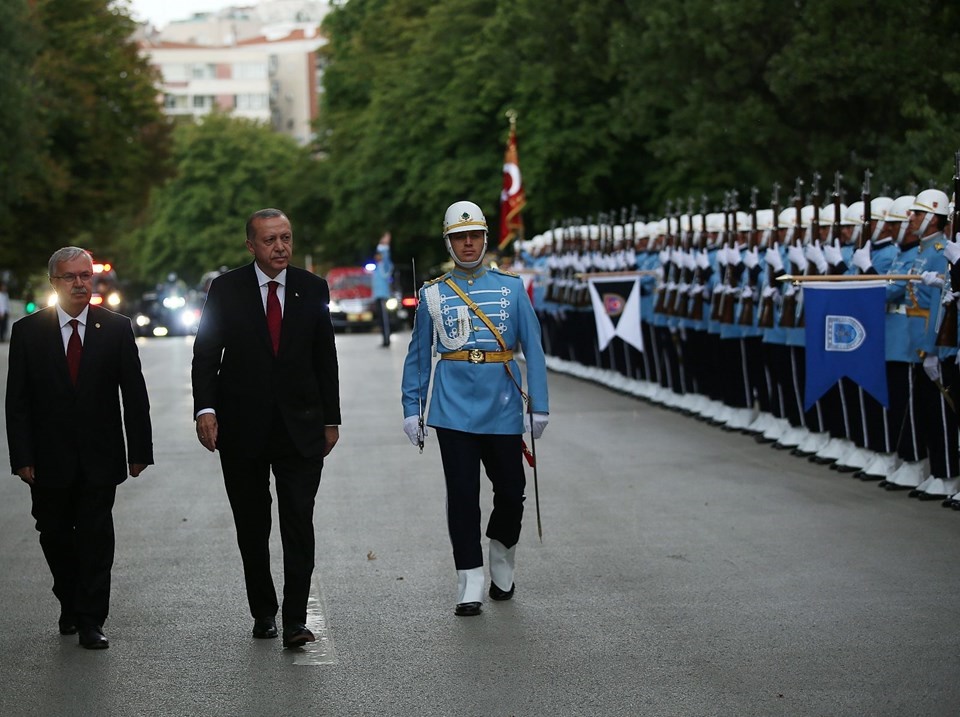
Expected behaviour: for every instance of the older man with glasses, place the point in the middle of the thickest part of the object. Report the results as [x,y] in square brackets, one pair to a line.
[68,365]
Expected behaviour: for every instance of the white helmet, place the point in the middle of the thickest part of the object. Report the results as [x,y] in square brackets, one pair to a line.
[853,214]
[879,207]
[878,214]
[898,210]
[933,201]
[464,216]
[898,213]
[828,213]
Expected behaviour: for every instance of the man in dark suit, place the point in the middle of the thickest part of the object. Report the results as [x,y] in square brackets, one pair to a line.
[266,393]
[66,435]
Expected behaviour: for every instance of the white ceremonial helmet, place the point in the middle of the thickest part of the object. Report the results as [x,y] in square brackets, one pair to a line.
[933,201]
[878,213]
[464,216]
[764,219]
[853,214]
[828,213]
[898,213]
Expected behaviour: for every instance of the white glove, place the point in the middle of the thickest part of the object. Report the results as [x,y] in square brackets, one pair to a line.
[733,256]
[773,258]
[952,251]
[931,367]
[540,421]
[796,257]
[814,253]
[702,260]
[722,256]
[688,262]
[949,297]
[831,253]
[697,289]
[751,258]
[931,278]
[861,258]
[664,256]
[768,291]
[746,293]
[411,426]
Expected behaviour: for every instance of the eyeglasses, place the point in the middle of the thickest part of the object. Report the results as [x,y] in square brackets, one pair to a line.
[83,276]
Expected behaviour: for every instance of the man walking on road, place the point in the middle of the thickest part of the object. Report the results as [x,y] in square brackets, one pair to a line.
[477,318]
[382,282]
[266,394]
[68,366]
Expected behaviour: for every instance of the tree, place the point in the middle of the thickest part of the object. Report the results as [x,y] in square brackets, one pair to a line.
[225,169]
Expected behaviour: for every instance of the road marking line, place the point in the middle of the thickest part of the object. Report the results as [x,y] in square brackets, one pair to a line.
[323,651]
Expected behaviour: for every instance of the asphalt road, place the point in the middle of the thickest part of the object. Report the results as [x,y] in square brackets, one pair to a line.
[683,571]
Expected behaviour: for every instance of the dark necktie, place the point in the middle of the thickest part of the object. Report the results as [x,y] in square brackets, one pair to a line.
[74,352]
[274,315]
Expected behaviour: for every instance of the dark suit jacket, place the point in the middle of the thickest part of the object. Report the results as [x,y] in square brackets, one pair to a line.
[236,374]
[60,428]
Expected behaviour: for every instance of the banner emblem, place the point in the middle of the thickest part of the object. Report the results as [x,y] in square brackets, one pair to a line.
[843,333]
[613,304]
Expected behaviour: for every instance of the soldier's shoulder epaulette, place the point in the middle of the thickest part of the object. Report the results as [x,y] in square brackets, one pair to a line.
[498,270]
[430,282]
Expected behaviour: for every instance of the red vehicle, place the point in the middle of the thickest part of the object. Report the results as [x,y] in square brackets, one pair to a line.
[352,305]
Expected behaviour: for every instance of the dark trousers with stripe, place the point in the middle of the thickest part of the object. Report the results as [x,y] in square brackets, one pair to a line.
[502,458]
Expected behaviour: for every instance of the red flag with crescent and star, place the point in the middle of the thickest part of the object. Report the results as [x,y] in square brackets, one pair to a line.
[512,198]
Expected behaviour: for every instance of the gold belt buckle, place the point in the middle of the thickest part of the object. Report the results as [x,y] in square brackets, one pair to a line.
[476,356]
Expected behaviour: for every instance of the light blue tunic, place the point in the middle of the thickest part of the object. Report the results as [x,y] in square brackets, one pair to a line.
[476,398]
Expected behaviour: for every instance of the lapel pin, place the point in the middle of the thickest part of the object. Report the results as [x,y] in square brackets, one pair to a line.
[97,325]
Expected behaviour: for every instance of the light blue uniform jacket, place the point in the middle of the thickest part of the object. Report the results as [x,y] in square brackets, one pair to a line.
[476,398]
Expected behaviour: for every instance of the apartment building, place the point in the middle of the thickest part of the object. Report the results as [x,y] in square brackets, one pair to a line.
[274,78]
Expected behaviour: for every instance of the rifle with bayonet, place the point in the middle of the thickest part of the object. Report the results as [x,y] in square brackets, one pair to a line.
[765,320]
[748,299]
[668,276]
[836,229]
[698,282]
[947,330]
[732,278]
[788,307]
[866,227]
[681,304]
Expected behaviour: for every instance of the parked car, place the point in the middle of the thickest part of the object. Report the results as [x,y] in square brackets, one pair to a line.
[166,314]
[352,306]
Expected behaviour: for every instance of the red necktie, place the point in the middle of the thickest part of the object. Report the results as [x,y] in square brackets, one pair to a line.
[74,352]
[274,315]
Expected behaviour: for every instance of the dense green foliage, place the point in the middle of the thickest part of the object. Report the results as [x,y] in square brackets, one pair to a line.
[225,169]
[83,137]
[624,102]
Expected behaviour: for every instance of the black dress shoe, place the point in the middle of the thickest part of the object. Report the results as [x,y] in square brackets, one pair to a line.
[498,594]
[297,635]
[930,496]
[468,609]
[92,638]
[67,624]
[265,628]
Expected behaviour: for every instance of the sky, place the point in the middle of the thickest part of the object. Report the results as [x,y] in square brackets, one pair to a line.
[161,12]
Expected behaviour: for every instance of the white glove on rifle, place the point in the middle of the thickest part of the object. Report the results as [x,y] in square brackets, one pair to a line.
[952,251]
[688,261]
[768,291]
[773,258]
[949,297]
[746,293]
[831,253]
[931,367]
[751,258]
[664,256]
[540,421]
[931,278]
[411,426]
[702,260]
[797,258]
[861,258]
[733,256]
[814,253]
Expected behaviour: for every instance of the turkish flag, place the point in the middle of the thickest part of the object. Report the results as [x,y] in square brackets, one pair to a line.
[512,198]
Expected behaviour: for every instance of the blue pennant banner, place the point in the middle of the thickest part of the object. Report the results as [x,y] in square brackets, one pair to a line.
[845,337]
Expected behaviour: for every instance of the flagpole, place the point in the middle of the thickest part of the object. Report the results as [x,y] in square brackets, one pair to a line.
[802,278]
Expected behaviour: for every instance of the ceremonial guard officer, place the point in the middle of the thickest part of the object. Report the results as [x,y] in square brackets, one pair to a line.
[477,318]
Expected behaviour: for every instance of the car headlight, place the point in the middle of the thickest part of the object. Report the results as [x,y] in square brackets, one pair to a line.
[174,302]
[392,304]
[333,305]
[114,299]
[143,320]
[189,317]
[160,331]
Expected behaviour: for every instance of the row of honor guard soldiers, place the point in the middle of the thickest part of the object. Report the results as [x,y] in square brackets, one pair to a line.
[723,336]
